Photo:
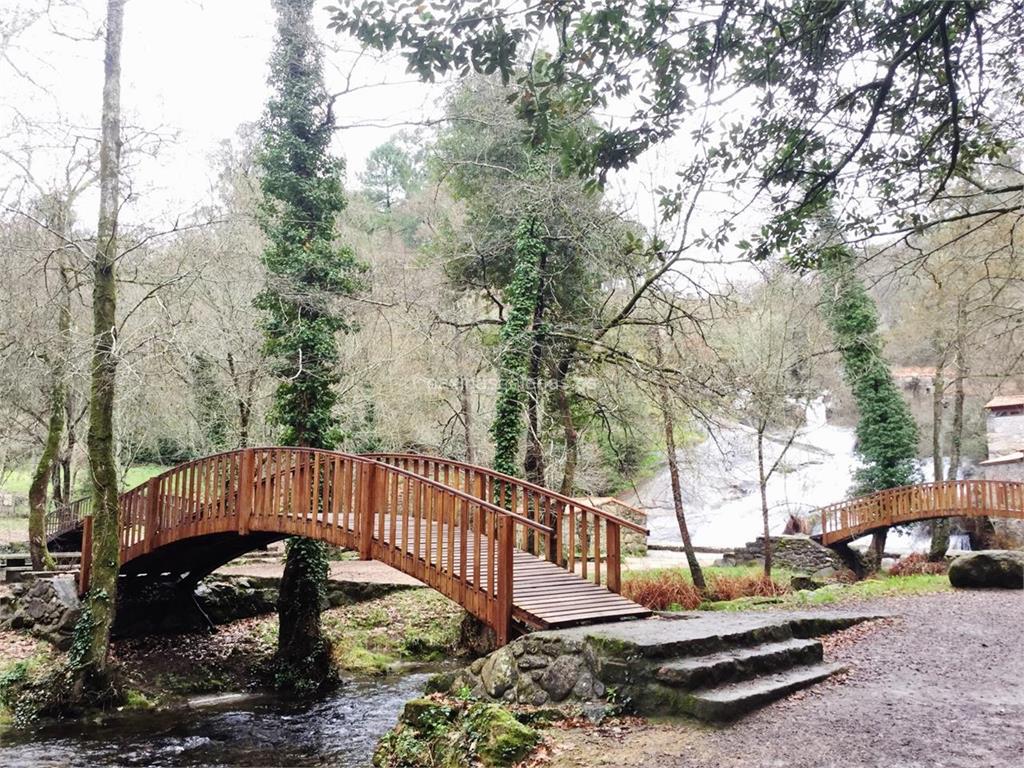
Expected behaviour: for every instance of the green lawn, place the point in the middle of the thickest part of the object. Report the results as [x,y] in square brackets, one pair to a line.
[19,480]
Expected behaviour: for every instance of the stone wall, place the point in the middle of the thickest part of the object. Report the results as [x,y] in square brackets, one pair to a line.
[48,608]
[537,670]
[797,553]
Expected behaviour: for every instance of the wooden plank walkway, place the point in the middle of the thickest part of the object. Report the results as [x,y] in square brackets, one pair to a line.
[544,595]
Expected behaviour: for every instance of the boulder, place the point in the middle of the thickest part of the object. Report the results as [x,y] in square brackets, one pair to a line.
[1000,568]
[561,677]
[502,740]
[499,673]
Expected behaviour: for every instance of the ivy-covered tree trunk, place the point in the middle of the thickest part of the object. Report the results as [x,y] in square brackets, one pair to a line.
[522,297]
[886,431]
[306,272]
[92,634]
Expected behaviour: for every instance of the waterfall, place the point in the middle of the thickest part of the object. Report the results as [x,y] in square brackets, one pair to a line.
[959,542]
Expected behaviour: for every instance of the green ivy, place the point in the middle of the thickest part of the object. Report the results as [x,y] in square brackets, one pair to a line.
[886,431]
[307,271]
[516,338]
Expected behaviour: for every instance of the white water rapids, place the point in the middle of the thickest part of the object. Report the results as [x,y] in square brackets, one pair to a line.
[720,484]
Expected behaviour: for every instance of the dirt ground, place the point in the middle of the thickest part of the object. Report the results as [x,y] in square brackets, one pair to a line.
[364,571]
[941,686]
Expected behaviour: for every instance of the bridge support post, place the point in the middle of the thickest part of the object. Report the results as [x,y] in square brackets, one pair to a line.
[367,508]
[503,620]
[246,482]
[613,561]
[152,513]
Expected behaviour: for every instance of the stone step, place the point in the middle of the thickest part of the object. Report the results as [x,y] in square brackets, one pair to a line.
[728,702]
[738,663]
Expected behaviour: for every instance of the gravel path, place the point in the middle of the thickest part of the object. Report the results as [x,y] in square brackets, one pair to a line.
[942,686]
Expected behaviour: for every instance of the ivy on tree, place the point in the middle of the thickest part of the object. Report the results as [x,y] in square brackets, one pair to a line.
[517,334]
[306,272]
[886,431]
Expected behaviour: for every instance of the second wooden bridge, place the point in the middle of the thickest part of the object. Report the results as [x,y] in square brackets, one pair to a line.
[517,556]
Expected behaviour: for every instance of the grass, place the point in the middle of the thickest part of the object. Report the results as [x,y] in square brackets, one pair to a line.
[18,480]
[371,637]
[672,588]
[874,588]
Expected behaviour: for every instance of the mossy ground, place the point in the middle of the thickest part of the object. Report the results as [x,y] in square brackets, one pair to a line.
[439,732]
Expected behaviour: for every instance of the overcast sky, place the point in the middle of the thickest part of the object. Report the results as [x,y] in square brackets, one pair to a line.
[193,71]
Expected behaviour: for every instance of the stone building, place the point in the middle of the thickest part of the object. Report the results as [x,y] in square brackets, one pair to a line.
[1005,437]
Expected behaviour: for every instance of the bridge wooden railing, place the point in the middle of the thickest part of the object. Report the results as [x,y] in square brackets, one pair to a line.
[457,542]
[584,539]
[954,498]
[67,517]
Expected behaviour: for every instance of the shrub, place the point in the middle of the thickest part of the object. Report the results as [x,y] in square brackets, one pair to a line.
[662,590]
[916,564]
[724,587]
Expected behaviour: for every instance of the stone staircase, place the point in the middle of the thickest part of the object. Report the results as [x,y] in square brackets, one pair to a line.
[710,665]
[727,683]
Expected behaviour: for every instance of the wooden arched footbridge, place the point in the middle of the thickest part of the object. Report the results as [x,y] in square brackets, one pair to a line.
[848,520]
[517,556]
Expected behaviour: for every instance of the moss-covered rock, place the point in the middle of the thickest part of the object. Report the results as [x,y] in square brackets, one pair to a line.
[439,733]
[501,740]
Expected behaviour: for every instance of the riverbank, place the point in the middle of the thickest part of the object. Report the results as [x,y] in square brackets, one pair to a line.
[372,637]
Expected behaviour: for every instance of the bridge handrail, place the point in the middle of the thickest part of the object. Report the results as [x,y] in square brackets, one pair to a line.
[579,527]
[622,521]
[893,506]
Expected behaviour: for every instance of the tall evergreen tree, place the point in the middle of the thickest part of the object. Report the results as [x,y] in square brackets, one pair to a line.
[306,272]
[886,431]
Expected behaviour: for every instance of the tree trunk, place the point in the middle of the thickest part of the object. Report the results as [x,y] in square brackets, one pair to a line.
[303,662]
[44,471]
[673,470]
[47,471]
[877,548]
[467,420]
[569,434]
[762,482]
[533,463]
[89,651]
[940,528]
[243,400]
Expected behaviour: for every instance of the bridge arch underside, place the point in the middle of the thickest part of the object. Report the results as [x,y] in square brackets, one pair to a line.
[190,560]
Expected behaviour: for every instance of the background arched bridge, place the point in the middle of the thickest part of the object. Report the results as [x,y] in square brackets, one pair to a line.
[848,520]
[513,554]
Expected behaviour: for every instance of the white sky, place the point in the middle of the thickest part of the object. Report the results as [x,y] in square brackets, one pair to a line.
[193,71]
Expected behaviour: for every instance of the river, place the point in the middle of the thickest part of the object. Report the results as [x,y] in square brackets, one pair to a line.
[339,731]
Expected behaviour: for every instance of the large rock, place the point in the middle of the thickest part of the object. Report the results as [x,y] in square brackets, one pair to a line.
[1001,568]
[499,673]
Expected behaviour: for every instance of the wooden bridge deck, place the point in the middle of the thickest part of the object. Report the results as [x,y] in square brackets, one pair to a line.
[517,556]
[544,595]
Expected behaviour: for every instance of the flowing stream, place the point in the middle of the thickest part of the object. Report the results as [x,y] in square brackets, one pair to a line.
[339,731]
